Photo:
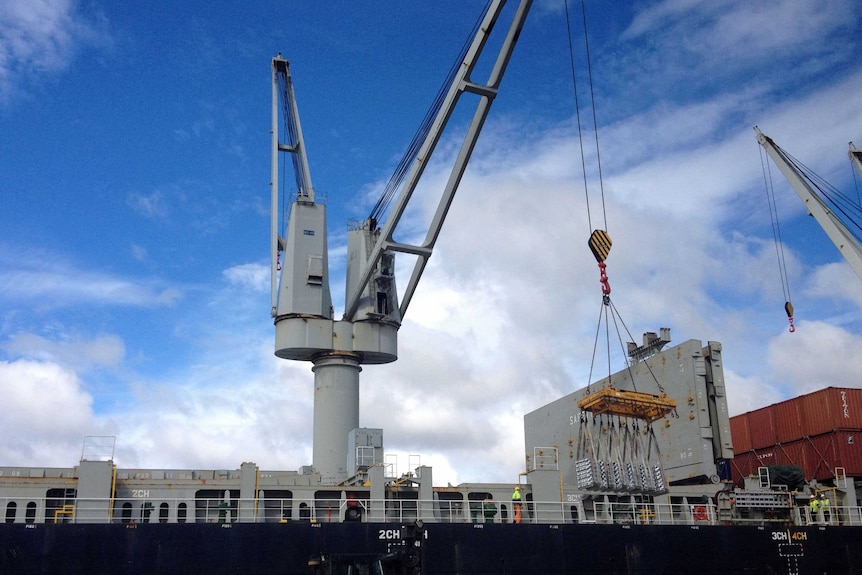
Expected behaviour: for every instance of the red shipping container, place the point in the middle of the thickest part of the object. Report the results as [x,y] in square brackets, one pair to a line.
[788,421]
[848,451]
[743,465]
[761,428]
[820,452]
[739,433]
[819,457]
[819,432]
[794,453]
[829,409]
[829,452]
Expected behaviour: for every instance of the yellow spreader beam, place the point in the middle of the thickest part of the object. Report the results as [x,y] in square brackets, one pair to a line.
[628,404]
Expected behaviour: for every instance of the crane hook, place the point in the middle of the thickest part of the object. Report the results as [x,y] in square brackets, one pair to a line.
[788,308]
[603,279]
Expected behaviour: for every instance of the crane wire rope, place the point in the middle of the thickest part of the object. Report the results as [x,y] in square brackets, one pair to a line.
[614,467]
[403,167]
[578,112]
[595,122]
[603,315]
[776,234]
[600,241]
[578,115]
[602,246]
[288,128]
[842,206]
[855,181]
[285,210]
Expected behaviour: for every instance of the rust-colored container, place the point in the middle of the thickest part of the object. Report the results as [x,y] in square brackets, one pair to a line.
[787,419]
[761,428]
[818,432]
[848,452]
[794,453]
[746,464]
[829,409]
[739,433]
[819,457]
[743,465]
[838,449]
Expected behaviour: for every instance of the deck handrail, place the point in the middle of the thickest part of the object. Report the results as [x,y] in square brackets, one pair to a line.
[278,510]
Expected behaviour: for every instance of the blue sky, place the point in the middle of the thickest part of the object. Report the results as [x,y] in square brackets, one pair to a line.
[134,170]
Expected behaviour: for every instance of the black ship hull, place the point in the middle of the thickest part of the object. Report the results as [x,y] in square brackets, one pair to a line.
[287,548]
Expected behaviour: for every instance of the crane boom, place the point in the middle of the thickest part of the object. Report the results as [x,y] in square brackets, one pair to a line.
[463,83]
[282,92]
[831,224]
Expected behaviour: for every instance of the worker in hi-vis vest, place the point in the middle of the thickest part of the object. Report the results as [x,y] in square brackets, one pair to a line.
[516,503]
[814,509]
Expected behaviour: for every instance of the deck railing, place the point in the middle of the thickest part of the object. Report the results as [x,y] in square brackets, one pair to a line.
[266,510]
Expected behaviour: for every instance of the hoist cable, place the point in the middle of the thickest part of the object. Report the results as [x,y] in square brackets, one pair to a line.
[595,346]
[578,115]
[850,212]
[776,229]
[607,337]
[855,180]
[595,121]
[288,131]
[284,203]
[403,167]
[615,316]
[631,338]
[599,245]
[289,128]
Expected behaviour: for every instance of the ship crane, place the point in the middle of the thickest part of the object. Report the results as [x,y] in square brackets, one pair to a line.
[843,238]
[305,329]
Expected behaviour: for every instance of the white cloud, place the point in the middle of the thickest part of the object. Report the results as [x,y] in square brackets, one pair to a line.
[44,414]
[26,278]
[740,32]
[101,351]
[39,37]
[817,355]
[253,276]
[152,205]
[218,415]
[835,281]
[139,252]
[749,393]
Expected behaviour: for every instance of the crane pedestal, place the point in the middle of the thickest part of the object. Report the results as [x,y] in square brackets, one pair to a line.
[336,413]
